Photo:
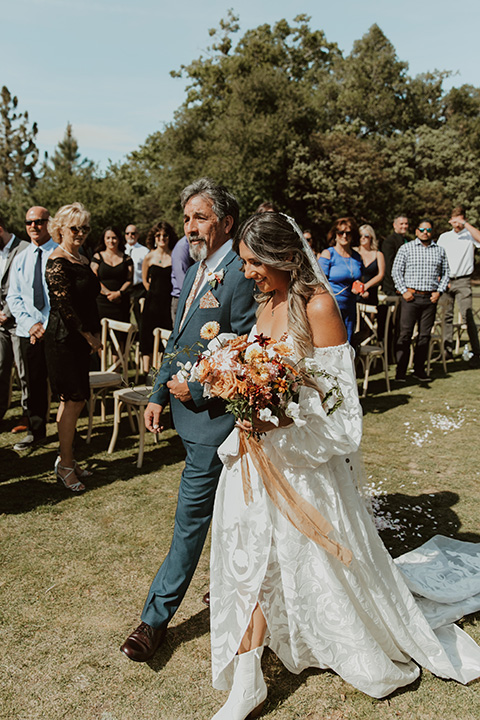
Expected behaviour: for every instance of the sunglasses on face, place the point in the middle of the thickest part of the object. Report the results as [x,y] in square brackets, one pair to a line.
[83,228]
[41,221]
[347,233]
[427,230]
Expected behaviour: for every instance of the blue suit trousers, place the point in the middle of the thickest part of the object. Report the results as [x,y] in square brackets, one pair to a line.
[192,519]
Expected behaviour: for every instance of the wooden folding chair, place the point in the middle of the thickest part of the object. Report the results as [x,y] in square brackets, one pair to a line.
[375,345]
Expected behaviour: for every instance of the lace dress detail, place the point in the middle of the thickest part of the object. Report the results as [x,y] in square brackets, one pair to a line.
[361,621]
[73,289]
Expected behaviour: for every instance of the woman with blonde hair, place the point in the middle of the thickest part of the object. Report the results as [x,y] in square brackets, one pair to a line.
[374,264]
[296,561]
[72,333]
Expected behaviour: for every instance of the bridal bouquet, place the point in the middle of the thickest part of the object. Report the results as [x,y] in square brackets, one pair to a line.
[257,378]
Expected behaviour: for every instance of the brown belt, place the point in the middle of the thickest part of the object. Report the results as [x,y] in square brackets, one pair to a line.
[420,292]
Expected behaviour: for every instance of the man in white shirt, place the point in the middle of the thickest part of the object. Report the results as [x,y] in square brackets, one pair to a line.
[459,244]
[29,303]
[10,347]
[138,254]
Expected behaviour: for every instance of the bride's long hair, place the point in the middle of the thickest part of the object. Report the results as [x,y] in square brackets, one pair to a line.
[273,239]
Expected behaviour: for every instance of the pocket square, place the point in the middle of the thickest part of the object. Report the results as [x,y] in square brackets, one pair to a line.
[209,301]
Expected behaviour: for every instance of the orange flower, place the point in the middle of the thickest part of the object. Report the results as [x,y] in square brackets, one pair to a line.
[225,386]
[210,330]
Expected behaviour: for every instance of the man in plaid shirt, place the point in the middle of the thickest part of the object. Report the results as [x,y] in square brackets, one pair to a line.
[420,273]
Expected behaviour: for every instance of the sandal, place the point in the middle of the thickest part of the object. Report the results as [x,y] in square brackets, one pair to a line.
[74,487]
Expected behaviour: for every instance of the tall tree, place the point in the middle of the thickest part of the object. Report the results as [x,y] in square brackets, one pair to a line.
[18,151]
[66,157]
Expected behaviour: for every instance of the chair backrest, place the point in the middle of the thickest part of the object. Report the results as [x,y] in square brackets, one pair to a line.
[160,338]
[121,345]
[376,320]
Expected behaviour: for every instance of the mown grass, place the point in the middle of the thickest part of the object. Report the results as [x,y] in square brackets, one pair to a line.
[75,570]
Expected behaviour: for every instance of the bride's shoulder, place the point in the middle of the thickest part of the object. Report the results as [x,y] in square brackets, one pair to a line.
[325,320]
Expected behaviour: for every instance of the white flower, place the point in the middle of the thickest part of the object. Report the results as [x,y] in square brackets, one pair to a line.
[184,373]
[293,411]
[266,415]
[220,341]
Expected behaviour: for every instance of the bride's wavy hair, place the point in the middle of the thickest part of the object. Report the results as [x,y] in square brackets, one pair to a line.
[275,242]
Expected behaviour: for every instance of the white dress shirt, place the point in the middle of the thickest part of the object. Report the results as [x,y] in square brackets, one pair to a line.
[20,293]
[214,261]
[460,249]
[138,253]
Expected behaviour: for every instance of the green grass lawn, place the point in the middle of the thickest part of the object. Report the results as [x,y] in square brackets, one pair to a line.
[75,570]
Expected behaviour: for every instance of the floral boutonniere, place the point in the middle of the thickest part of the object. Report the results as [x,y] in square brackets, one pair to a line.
[214,278]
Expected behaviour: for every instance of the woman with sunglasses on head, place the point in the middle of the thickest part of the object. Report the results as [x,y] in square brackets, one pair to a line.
[344,268]
[374,264]
[72,333]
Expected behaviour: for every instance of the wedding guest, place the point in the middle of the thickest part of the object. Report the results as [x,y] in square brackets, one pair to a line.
[373,262]
[73,332]
[181,261]
[390,247]
[11,349]
[296,561]
[420,273]
[114,269]
[28,301]
[156,274]
[343,268]
[138,253]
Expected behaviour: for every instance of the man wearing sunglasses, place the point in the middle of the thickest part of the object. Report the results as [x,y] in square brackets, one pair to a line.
[29,303]
[420,273]
[459,244]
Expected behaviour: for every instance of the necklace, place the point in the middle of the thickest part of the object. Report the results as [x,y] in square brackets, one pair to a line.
[75,257]
[348,264]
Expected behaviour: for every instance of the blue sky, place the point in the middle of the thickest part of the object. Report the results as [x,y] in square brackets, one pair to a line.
[104,65]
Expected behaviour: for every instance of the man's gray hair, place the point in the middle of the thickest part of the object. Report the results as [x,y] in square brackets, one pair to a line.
[224,203]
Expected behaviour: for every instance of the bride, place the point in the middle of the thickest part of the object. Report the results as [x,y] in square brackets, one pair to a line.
[348,609]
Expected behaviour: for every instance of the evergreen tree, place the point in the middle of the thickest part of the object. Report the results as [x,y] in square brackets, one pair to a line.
[18,151]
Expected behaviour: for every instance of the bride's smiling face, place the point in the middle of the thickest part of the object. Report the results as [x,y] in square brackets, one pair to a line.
[267,278]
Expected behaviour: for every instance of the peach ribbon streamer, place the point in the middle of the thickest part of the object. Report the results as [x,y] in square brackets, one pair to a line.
[298,511]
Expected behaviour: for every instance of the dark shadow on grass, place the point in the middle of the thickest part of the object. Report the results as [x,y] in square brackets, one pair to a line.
[409,521]
[36,485]
[383,403]
[194,627]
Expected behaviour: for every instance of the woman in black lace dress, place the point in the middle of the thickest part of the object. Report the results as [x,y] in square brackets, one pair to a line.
[72,333]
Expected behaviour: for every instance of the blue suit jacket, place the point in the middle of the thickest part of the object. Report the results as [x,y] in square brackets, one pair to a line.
[204,420]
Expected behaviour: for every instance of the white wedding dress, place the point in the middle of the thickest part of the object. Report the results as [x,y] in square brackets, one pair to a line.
[361,620]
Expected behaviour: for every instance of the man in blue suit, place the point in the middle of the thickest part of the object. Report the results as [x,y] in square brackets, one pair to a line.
[215,289]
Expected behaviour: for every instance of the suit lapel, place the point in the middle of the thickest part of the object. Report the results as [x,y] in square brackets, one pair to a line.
[11,255]
[227,260]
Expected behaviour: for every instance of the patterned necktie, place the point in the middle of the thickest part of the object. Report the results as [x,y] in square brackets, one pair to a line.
[193,292]
[38,295]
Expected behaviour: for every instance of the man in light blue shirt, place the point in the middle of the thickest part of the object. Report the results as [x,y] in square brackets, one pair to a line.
[29,303]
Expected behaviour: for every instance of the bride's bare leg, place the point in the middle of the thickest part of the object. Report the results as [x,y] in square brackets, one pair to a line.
[255,633]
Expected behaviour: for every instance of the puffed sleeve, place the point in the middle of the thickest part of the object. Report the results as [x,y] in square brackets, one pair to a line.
[319,435]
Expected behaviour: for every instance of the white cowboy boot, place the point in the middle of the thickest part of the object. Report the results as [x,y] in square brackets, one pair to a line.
[248,692]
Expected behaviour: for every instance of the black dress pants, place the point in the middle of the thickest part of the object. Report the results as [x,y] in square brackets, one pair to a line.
[420,310]
[37,383]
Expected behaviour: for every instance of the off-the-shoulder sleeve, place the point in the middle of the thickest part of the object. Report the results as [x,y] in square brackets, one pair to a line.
[322,435]
[60,288]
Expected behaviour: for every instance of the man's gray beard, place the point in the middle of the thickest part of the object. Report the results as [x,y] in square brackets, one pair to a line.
[199,252]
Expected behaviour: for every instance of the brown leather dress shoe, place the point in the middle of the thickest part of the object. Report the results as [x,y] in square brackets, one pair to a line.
[143,643]
[206,599]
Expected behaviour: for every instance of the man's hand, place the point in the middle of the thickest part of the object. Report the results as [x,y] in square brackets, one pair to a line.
[434,297]
[37,332]
[458,222]
[3,318]
[408,296]
[179,390]
[152,417]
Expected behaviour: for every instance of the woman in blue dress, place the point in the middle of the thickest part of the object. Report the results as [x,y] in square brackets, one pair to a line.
[343,266]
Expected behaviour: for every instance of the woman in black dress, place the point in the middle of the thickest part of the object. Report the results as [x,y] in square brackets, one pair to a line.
[156,275]
[114,269]
[374,264]
[72,333]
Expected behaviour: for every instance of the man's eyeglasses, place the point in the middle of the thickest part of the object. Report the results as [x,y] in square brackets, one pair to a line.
[41,221]
[427,230]
[131,233]
[83,228]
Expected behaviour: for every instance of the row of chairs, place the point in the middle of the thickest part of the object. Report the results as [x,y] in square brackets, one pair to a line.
[118,342]
[376,343]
